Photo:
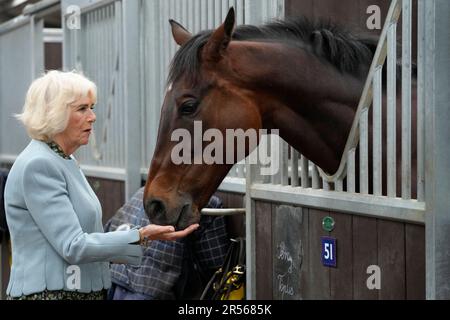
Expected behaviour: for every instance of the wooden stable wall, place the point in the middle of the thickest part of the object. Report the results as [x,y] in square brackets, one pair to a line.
[397,248]
[111,194]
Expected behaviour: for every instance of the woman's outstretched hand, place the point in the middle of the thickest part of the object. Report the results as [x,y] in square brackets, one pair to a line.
[157,232]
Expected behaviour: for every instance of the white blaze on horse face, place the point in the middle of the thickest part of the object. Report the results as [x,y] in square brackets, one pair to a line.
[169,88]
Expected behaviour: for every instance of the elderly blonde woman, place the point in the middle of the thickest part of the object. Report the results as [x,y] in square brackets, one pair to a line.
[59,249]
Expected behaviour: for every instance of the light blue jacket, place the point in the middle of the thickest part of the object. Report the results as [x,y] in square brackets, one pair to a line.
[55,222]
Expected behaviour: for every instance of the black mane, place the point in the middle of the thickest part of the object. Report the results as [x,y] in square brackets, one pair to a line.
[326,40]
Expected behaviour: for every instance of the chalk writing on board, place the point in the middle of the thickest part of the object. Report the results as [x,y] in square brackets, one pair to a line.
[284,288]
[285,255]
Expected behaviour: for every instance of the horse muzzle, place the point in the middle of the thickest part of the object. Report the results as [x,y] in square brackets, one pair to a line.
[180,216]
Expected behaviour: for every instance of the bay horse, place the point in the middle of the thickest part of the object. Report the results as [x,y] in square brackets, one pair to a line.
[302,78]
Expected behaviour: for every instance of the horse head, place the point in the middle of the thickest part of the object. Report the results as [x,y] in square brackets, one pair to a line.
[303,79]
[202,100]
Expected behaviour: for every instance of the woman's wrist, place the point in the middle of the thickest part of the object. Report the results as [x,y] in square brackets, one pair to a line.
[143,240]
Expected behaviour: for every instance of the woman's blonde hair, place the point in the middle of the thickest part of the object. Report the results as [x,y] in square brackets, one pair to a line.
[46,109]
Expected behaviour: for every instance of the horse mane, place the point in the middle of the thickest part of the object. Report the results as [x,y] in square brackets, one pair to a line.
[326,40]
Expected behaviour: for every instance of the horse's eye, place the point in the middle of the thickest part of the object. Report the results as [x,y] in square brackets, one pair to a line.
[188,108]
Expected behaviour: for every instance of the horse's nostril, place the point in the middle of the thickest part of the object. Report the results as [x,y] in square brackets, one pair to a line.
[155,208]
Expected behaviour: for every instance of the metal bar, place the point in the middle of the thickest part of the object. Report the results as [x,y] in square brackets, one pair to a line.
[42,8]
[143,81]
[32,47]
[366,205]
[366,97]
[250,234]
[94,6]
[197,16]
[204,14]
[339,185]
[364,152]
[190,23]
[351,171]
[211,14]
[406,100]
[183,18]
[276,178]
[391,111]
[240,11]
[217,13]
[294,167]
[326,185]
[421,78]
[224,9]
[284,164]
[377,133]
[437,174]
[14,24]
[305,172]
[315,177]
[131,93]
[222,212]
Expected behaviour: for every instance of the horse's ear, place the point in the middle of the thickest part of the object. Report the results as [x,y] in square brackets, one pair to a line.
[180,34]
[220,38]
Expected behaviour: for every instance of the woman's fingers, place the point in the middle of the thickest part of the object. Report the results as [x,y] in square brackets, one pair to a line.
[180,234]
[161,229]
[156,232]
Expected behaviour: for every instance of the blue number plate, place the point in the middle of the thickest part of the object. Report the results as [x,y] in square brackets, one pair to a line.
[329,251]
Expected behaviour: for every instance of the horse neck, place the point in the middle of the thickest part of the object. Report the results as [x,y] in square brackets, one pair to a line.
[307,99]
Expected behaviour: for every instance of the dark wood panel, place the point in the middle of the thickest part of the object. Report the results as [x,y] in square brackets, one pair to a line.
[236,223]
[363,16]
[391,258]
[319,275]
[299,8]
[53,56]
[305,255]
[4,263]
[111,194]
[341,277]
[264,271]
[365,254]
[342,12]
[415,262]
[224,197]
[350,13]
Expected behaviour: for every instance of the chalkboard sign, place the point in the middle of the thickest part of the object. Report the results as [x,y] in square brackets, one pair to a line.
[287,253]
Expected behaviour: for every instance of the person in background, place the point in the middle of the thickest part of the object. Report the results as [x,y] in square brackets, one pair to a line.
[59,248]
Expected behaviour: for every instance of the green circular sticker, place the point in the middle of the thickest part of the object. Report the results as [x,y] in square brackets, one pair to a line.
[328,223]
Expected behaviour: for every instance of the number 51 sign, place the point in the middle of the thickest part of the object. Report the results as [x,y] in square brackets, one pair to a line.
[329,251]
